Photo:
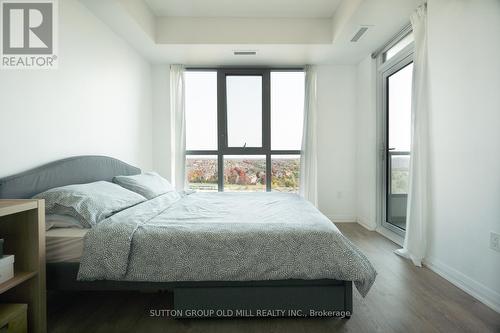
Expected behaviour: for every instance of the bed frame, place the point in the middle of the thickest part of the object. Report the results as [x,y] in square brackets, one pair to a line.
[212,298]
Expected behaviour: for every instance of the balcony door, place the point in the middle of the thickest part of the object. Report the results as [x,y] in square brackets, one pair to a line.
[397,83]
[395,76]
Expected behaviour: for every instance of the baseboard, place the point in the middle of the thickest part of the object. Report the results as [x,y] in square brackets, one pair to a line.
[477,290]
[364,222]
[342,218]
[398,239]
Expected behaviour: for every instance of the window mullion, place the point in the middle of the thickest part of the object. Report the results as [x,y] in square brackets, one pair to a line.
[266,124]
[221,126]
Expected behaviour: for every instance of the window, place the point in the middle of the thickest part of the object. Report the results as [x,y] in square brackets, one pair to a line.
[285,171]
[287,110]
[244,111]
[399,128]
[244,129]
[398,46]
[202,172]
[201,110]
[245,173]
[395,68]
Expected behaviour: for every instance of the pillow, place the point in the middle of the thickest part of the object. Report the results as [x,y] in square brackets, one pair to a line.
[149,184]
[89,203]
[61,221]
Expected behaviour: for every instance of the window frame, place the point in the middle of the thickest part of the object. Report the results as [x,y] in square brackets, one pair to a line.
[222,130]
[386,68]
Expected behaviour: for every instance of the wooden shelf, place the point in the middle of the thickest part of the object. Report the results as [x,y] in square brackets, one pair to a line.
[22,226]
[8,207]
[19,277]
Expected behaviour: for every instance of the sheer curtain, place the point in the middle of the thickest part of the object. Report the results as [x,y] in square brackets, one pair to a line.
[308,158]
[415,243]
[177,127]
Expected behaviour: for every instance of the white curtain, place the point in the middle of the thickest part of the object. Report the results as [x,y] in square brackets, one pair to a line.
[415,243]
[177,127]
[308,158]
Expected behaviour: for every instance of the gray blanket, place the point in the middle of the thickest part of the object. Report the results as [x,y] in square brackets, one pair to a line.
[222,237]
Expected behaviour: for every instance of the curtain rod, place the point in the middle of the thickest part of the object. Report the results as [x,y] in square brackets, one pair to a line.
[406,29]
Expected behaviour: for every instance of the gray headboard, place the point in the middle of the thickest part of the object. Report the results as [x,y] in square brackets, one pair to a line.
[73,170]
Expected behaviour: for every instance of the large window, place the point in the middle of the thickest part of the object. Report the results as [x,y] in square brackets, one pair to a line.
[244,129]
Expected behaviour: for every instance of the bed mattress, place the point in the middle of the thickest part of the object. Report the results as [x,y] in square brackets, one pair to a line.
[222,237]
[64,244]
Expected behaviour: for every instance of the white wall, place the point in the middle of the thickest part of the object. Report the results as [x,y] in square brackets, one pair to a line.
[97,102]
[366,143]
[337,142]
[464,53]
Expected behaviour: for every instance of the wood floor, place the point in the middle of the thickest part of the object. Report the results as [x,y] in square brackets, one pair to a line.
[404,298]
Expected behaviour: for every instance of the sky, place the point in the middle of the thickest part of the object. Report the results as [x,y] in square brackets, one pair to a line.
[201,110]
[244,111]
[400,109]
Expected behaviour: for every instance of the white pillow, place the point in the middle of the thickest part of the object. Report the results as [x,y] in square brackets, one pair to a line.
[61,221]
[89,203]
[149,184]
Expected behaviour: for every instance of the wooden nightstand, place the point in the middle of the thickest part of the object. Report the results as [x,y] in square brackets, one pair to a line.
[22,226]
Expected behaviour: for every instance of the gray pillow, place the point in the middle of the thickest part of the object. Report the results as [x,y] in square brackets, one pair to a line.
[89,203]
[149,184]
[61,221]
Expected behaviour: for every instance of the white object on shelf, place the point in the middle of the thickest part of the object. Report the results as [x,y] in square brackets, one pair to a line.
[6,267]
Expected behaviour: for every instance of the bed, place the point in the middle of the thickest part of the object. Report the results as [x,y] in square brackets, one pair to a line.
[242,253]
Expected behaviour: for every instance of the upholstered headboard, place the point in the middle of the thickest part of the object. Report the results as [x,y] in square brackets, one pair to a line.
[73,170]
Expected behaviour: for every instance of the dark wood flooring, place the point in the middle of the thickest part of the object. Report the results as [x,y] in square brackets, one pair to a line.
[404,298]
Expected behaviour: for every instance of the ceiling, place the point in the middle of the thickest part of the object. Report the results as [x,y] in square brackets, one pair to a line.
[283,32]
[244,8]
